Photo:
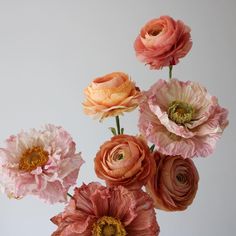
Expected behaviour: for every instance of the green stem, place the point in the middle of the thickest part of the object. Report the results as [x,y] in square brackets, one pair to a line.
[152,148]
[118,124]
[70,195]
[170,71]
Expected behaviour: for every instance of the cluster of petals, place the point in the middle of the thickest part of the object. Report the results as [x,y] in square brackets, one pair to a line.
[125,160]
[130,213]
[111,95]
[197,136]
[162,42]
[43,163]
[175,183]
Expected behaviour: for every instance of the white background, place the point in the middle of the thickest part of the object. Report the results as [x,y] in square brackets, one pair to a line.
[51,50]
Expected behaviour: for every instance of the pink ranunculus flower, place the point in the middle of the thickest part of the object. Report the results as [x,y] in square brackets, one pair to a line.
[162,42]
[175,184]
[42,163]
[95,210]
[181,118]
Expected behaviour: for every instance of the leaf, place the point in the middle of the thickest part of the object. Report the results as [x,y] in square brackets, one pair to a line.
[113,130]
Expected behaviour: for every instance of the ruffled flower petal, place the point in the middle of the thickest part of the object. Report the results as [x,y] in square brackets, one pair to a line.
[196,137]
[49,181]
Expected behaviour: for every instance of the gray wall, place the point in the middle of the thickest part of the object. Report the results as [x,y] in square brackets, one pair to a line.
[51,50]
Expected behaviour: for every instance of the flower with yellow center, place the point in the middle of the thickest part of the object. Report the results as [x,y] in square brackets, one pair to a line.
[96,210]
[32,158]
[181,118]
[108,226]
[43,163]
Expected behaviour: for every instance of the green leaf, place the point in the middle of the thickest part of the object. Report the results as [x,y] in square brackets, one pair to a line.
[113,130]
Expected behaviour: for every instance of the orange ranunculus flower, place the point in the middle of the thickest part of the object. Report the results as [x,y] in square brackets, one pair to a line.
[111,95]
[125,160]
[175,184]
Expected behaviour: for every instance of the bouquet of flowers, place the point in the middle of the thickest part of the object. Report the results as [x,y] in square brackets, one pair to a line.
[153,170]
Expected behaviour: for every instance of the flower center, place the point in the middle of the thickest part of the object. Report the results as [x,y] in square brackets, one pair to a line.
[181,178]
[180,112]
[120,156]
[154,32]
[108,226]
[33,158]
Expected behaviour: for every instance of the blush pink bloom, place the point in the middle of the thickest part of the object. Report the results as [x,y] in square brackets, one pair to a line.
[42,163]
[175,184]
[162,42]
[95,210]
[125,160]
[181,118]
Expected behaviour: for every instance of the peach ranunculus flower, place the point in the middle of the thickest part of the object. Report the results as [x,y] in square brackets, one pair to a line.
[181,118]
[125,160]
[111,95]
[174,186]
[162,42]
[96,210]
[41,163]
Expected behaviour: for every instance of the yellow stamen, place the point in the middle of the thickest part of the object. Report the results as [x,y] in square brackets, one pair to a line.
[180,112]
[108,226]
[33,158]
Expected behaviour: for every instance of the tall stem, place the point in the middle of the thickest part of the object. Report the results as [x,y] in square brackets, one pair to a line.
[170,71]
[118,124]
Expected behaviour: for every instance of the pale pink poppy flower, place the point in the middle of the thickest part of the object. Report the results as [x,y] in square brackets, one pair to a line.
[95,210]
[182,118]
[162,42]
[42,163]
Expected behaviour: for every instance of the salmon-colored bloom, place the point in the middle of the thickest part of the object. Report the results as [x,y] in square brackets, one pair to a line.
[125,160]
[162,42]
[174,186]
[95,210]
[182,118]
[111,95]
[42,163]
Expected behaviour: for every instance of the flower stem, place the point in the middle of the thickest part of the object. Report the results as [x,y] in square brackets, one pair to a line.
[118,125]
[152,148]
[170,71]
[70,195]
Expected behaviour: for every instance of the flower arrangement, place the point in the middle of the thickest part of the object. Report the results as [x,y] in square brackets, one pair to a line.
[153,170]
